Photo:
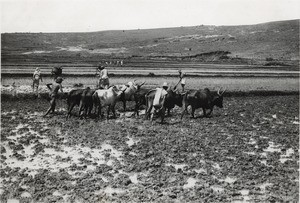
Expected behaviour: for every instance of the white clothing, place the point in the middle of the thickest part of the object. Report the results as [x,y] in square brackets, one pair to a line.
[183,81]
[103,74]
[159,96]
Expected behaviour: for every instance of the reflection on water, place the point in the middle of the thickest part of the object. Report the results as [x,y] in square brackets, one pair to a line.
[190,183]
[177,166]
[217,188]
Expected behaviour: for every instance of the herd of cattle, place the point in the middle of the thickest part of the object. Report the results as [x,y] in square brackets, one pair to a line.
[88,99]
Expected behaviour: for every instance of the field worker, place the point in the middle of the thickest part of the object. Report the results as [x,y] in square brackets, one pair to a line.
[36,81]
[182,79]
[54,88]
[160,95]
[103,77]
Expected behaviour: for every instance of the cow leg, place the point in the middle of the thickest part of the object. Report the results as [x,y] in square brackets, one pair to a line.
[113,111]
[99,110]
[88,111]
[124,105]
[80,109]
[85,111]
[168,114]
[70,108]
[193,112]
[183,111]
[108,110]
[148,112]
[136,109]
[162,112]
[210,112]
[152,114]
[204,112]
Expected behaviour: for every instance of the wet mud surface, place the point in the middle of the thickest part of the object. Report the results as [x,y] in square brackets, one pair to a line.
[246,152]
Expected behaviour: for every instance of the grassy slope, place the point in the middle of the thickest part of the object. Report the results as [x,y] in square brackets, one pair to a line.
[279,40]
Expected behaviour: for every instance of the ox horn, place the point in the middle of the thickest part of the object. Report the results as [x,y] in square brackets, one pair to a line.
[223,91]
[140,85]
[220,94]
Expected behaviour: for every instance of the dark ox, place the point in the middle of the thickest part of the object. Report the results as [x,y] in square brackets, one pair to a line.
[140,99]
[82,98]
[204,99]
[172,98]
[56,72]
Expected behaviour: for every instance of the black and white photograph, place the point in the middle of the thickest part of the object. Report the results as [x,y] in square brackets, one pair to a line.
[149,101]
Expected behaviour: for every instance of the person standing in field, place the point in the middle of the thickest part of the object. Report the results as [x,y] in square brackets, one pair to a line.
[103,77]
[182,79]
[54,88]
[36,81]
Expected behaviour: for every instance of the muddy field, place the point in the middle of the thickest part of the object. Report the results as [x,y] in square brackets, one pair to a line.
[246,152]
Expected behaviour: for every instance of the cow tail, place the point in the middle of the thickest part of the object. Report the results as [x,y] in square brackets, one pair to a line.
[95,101]
[68,100]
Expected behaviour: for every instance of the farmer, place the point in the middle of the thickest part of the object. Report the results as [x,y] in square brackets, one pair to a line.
[36,81]
[103,77]
[182,79]
[54,93]
[160,95]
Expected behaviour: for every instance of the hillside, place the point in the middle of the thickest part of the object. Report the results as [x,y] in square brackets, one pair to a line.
[274,41]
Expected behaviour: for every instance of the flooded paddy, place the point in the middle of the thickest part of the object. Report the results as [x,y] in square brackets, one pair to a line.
[248,151]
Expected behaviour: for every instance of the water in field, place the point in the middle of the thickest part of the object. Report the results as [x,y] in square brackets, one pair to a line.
[213,83]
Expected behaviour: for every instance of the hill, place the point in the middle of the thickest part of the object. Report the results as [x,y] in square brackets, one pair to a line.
[273,42]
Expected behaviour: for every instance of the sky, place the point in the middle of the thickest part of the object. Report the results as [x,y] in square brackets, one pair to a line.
[99,15]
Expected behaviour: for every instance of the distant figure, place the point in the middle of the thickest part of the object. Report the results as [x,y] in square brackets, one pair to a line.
[122,63]
[36,81]
[182,79]
[54,88]
[103,77]
[14,89]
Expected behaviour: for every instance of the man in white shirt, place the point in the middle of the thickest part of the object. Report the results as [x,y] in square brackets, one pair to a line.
[182,79]
[103,77]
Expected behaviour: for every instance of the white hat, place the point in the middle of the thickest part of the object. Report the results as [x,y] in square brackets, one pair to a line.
[165,84]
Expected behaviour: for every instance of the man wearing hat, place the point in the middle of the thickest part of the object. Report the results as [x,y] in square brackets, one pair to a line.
[54,93]
[160,95]
[165,86]
[103,77]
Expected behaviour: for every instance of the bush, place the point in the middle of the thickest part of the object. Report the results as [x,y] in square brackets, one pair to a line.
[151,74]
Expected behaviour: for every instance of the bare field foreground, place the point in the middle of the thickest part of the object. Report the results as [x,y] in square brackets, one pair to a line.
[246,152]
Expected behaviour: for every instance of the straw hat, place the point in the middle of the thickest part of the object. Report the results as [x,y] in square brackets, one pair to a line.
[165,84]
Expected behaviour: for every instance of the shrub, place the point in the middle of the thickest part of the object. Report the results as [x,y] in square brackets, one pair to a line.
[151,74]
